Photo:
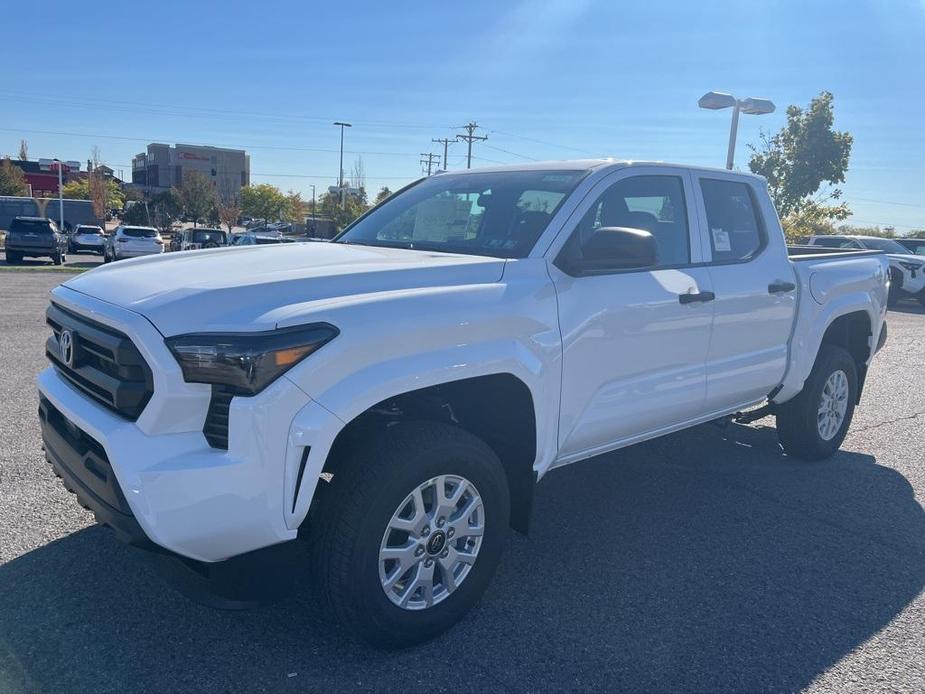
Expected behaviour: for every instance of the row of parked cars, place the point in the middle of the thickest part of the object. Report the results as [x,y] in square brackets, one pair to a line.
[38,237]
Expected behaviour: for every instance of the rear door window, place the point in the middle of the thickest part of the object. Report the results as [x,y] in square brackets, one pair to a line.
[735,230]
[139,232]
[32,226]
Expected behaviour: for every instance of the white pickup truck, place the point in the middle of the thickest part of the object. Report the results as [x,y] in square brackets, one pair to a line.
[394,395]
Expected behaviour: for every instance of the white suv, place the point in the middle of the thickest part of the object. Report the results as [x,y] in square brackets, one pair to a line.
[133,242]
[907,270]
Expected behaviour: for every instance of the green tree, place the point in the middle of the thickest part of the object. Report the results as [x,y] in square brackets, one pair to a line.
[12,180]
[197,196]
[802,163]
[165,209]
[342,215]
[383,193]
[78,189]
[23,150]
[263,201]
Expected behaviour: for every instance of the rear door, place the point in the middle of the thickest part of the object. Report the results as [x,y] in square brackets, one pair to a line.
[755,287]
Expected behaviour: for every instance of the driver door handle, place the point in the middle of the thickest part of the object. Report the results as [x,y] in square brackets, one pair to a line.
[781,287]
[700,297]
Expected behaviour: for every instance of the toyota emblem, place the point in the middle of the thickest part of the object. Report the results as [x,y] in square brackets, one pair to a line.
[66,347]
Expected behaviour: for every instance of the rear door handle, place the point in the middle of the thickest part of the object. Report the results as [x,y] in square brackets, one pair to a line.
[781,287]
[695,298]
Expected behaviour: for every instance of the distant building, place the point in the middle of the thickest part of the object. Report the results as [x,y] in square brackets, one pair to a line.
[42,175]
[163,167]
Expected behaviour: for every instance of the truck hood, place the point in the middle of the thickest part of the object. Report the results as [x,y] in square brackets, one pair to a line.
[244,289]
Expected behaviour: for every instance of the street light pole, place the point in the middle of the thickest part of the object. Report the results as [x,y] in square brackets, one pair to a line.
[60,197]
[340,178]
[715,101]
[733,131]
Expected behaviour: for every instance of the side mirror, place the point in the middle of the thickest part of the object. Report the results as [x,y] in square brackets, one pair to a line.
[611,249]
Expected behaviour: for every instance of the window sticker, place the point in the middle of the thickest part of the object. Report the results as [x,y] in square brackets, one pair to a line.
[721,240]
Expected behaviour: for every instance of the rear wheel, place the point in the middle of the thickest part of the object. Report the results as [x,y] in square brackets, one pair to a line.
[410,532]
[57,258]
[13,258]
[813,425]
[895,294]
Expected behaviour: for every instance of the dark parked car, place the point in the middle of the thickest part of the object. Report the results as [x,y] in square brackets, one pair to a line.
[35,237]
[916,246]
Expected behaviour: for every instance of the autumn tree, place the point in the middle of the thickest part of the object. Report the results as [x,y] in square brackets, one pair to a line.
[295,207]
[802,164]
[12,180]
[228,210]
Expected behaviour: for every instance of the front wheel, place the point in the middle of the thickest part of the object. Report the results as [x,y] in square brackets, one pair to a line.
[813,425]
[410,532]
[13,258]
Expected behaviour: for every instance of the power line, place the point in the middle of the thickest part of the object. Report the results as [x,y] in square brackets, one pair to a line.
[507,151]
[469,138]
[545,142]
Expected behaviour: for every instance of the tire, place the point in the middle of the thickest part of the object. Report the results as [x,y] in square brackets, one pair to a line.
[895,289]
[922,299]
[13,258]
[57,258]
[373,482]
[803,431]
[105,256]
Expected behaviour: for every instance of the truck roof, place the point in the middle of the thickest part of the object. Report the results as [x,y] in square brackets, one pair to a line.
[598,164]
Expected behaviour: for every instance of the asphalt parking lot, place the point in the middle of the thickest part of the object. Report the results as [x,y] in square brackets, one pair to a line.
[704,561]
[83,261]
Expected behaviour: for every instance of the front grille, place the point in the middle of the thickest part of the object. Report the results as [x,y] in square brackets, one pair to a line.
[216,427]
[103,363]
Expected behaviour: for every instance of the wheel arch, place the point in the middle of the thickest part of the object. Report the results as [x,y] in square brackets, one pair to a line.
[497,408]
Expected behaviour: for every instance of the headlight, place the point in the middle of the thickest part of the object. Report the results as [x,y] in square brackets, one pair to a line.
[912,267]
[246,362]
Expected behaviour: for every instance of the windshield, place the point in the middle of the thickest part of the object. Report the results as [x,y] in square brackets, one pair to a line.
[88,230]
[885,245]
[139,232]
[499,214]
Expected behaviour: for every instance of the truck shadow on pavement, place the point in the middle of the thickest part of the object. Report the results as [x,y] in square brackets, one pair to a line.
[704,561]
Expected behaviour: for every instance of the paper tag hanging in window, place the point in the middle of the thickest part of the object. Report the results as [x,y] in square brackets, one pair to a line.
[721,240]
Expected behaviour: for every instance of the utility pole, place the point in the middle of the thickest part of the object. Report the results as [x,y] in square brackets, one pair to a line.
[340,173]
[428,159]
[445,141]
[470,138]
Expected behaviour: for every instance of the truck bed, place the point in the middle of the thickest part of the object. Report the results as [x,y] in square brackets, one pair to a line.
[798,253]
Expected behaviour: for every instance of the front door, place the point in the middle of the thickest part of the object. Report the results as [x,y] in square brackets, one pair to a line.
[634,342]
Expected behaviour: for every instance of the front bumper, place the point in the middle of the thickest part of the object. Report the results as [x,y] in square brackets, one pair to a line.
[186,497]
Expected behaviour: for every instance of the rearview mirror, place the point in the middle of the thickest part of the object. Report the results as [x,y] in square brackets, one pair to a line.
[611,249]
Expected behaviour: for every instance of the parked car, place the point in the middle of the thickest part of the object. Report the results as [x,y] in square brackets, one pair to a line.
[907,272]
[201,237]
[915,246]
[394,395]
[87,237]
[253,238]
[35,237]
[132,242]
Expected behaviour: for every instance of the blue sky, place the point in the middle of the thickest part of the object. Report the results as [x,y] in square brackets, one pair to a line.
[547,79]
